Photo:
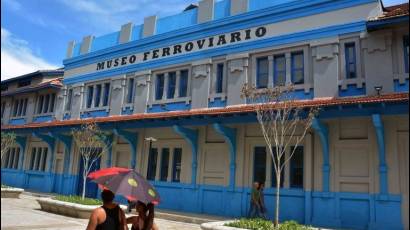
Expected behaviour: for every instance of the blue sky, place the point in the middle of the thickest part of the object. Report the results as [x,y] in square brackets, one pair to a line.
[35,33]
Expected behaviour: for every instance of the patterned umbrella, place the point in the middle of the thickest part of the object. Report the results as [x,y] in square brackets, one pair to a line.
[131,185]
[107,172]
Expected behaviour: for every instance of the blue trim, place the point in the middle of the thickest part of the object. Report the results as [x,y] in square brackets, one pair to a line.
[323,132]
[67,116]
[401,87]
[352,90]
[231,49]
[94,114]
[17,121]
[176,106]
[378,125]
[105,41]
[127,111]
[217,103]
[229,135]
[43,118]
[132,140]
[178,21]
[246,20]
[191,136]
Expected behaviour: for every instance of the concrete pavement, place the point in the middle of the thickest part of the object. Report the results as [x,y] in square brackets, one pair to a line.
[25,213]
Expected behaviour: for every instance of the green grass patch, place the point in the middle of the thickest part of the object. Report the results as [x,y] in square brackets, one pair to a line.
[78,200]
[261,224]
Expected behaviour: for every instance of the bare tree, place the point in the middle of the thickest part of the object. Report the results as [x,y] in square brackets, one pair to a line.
[284,122]
[91,143]
[8,139]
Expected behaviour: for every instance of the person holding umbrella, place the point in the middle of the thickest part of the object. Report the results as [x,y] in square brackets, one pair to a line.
[145,218]
[109,216]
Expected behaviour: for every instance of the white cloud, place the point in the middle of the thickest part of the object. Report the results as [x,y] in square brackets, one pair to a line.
[17,58]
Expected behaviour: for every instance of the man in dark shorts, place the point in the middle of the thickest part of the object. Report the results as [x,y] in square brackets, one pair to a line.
[109,216]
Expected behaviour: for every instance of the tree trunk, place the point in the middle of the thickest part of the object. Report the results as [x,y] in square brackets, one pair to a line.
[277,197]
[84,181]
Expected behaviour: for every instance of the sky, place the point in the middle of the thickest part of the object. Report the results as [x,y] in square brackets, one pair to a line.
[35,33]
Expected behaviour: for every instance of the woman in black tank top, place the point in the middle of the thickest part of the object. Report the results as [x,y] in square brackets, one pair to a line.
[112,220]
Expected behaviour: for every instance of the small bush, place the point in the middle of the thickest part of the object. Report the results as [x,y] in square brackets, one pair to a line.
[261,224]
[78,200]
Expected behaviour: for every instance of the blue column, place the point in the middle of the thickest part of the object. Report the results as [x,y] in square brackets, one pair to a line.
[323,132]
[51,145]
[191,136]
[378,125]
[132,140]
[21,142]
[229,135]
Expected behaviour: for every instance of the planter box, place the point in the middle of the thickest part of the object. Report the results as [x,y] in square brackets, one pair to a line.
[11,192]
[67,208]
[219,225]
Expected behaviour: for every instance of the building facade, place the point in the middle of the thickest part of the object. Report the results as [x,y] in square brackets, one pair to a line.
[179,79]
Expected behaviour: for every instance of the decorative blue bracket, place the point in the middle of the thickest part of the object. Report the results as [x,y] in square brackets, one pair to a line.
[67,141]
[191,136]
[51,145]
[132,140]
[230,136]
[323,133]
[378,125]
[21,142]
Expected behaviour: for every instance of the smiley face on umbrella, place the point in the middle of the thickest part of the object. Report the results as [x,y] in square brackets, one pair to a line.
[127,183]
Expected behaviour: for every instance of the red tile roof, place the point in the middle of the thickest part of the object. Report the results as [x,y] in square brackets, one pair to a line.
[393,12]
[319,102]
[56,82]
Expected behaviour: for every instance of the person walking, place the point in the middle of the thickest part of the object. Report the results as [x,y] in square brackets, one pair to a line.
[262,201]
[109,216]
[145,218]
[254,210]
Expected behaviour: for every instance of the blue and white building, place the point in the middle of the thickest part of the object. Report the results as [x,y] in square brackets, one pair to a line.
[179,79]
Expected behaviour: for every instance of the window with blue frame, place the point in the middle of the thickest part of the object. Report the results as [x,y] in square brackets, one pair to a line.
[130,91]
[69,100]
[11,158]
[176,165]
[279,77]
[164,164]
[262,72]
[107,87]
[20,107]
[259,164]
[297,68]
[296,168]
[46,103]
[97,100]
[219,78]
[90,95]
[183,84]
[38,159]
[159,86]
[350,60]
[172,80]
[152,164]
[406,53]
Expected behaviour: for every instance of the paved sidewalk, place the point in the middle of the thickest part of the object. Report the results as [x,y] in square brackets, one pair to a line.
[25,213]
